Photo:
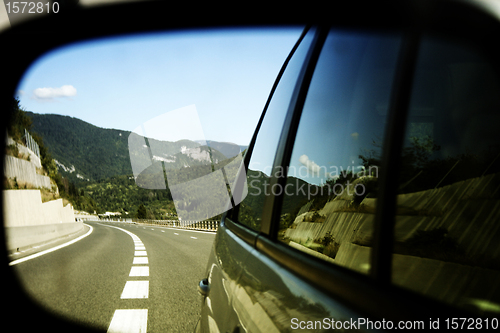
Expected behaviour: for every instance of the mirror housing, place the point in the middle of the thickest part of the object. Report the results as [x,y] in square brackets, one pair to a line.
[24,43]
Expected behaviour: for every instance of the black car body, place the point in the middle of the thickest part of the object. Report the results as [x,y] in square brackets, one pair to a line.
[369,193]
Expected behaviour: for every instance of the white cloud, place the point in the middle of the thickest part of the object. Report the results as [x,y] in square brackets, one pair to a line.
[50,93]
[312,167]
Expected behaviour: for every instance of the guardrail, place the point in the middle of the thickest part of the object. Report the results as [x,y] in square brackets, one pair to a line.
[208,225]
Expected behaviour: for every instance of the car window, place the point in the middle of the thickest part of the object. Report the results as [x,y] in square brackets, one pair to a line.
[447,235]
[264,150]
[329,198]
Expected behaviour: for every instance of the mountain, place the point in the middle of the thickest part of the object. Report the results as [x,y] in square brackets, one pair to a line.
[98,160]
[84,152]
[226,148]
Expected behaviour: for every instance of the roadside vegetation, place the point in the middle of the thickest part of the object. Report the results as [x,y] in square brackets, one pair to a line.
[63,187]
[98,178]
[121,194]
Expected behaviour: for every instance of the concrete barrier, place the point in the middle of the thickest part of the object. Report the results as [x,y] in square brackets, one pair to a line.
[29,222]
[469,210]
[28,236]
[442,280]
[25,208]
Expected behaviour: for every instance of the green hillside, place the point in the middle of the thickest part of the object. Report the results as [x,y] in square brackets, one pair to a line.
[98,162]
[95,153]
[85,152]
[121,194]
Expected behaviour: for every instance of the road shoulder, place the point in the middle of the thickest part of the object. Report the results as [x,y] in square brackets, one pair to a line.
[53,244]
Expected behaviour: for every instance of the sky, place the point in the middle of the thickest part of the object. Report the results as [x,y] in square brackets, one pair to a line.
[223,76]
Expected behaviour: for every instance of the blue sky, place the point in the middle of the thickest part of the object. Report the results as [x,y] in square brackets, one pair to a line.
[122,83]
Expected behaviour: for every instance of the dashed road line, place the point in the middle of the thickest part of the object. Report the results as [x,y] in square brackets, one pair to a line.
[133,320]
[135,289]
[129,321]
[193,237]
[139,271]
[140,260]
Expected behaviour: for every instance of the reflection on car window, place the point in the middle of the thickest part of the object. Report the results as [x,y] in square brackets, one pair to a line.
[447,243]
[262,159]
[328,207]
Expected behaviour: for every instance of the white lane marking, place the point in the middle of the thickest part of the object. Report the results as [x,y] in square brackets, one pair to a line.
[140,253]
[140,260]
[139,271]
[139,248]
[176,234]
[190,230]
[41,253]
[152,229]
[136,289]
[134,236]
[193,237]
[129,321]
[163,231]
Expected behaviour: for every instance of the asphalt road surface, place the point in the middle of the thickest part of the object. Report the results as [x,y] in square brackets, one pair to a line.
[123,277]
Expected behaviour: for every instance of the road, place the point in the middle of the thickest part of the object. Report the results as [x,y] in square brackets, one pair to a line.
[94,280]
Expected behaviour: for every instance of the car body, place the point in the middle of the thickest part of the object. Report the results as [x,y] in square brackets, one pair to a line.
[363,187]
[257,281]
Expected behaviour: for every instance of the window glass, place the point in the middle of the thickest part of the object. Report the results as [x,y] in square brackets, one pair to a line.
[264,151]
[329,199]
[447,236]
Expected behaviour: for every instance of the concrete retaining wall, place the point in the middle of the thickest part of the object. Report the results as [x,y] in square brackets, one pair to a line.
[469,210]
[25,172]
[446,281]
[342,226]
[26,151]
[23,237]
[25,208]
[28,221]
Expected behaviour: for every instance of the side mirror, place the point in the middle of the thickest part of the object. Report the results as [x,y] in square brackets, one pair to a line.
[204,287]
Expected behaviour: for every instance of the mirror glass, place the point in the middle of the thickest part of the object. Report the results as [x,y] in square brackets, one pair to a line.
[120,159]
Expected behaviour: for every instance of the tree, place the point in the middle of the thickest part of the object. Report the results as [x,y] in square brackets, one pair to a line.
[19,121]
[141,212]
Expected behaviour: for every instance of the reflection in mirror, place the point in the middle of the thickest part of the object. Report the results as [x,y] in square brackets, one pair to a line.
[197,173]
[264,150]
[447,243]
[131,135]
[329,198]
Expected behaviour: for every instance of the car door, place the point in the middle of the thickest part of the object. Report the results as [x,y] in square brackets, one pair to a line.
[338,230]
[234,245]
[339,106]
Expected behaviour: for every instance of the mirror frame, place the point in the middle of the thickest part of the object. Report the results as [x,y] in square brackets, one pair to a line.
[24,43]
